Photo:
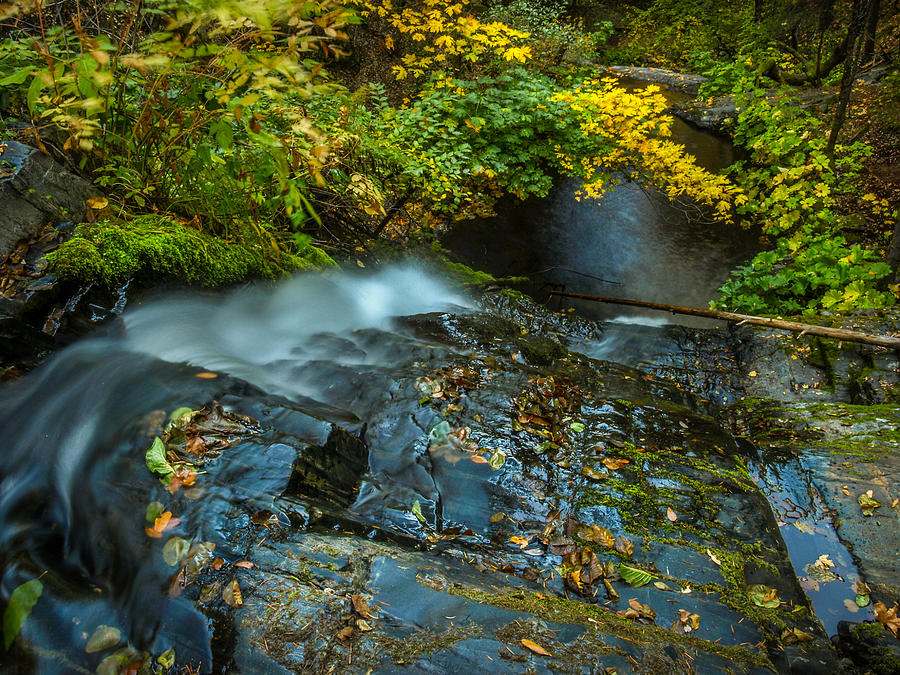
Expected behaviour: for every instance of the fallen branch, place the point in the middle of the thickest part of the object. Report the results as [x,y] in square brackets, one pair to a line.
[793,326]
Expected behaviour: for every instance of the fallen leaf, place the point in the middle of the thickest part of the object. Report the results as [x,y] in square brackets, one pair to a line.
[894,503]
[96,203]
[245,564]
[670,514]
[361,606]
[364,625]
[175,550]
[217,564]
[497,459]
[868,503]
[634,576]
[886,617]
[163,523]
[713,557]
[231,594]
[763,596]
[207,375]
[661,585]
[478,459]
[520,541]
[105,637]
[534,647]
[345,633]
[592,473]
[614,464]
[167,658]
[624,545]
[497,517]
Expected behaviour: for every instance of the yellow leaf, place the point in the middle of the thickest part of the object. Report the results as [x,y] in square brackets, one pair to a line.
[97,203]
[534,647]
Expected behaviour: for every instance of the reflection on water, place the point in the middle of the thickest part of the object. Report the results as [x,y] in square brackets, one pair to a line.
[630,244]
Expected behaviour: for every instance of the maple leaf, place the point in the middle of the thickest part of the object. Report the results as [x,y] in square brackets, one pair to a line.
[888,617]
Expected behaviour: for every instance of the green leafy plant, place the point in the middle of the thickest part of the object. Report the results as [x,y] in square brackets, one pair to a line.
[819,273]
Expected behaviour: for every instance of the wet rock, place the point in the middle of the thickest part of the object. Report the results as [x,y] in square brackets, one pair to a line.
[35,190]
[869,647]
[689,84]
[717,115]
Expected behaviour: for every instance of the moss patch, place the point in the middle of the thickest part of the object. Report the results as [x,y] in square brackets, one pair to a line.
[110,252]
[561,610]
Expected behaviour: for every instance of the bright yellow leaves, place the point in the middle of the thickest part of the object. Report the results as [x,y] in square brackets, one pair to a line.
[438,31]
[638,134]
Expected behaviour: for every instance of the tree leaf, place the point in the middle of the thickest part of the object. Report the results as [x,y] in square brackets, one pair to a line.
[497,459]
[763,596]
[532,646]
[634,576]
[175,550]
[417,511]
[156,459]
[19,608]
[105,637]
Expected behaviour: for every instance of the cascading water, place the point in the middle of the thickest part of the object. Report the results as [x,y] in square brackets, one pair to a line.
[74,486]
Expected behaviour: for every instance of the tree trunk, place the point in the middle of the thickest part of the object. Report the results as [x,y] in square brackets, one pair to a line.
[758,6]
[868,50]
[793,326]
[859,14]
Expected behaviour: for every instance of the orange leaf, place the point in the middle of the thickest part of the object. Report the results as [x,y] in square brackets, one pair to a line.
[478,459]
[161,524]
[534,647]
[246,564]
[671,515]
[888,617]
[207,375]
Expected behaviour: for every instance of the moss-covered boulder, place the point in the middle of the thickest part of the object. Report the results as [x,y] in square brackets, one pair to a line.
[112,251]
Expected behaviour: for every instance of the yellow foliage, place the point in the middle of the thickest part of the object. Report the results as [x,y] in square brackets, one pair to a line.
[445,29]
[639,135]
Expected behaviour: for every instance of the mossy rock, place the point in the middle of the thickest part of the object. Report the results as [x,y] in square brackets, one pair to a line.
[111,251]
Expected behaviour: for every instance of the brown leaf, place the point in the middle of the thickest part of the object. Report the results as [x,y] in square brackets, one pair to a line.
[245,564]
[207,376]
[888,617]
[360,606]
[534,647]
[670,514]
[217,564]
[615,464]
[231,594]
[624,545]
[478,459]
[345,633]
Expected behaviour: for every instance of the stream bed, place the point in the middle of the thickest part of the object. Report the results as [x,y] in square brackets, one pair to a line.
[373,473]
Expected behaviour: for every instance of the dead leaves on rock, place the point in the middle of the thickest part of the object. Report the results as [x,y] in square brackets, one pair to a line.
[546,409]
[888,617]
[685,623]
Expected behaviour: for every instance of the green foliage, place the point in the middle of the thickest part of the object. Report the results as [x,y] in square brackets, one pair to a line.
[21,602]
[823,272]
[462,137]
[554,36]
[201,118]
[111,252]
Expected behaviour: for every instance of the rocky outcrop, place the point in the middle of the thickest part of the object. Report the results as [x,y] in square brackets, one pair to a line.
[687,83]
[35,190]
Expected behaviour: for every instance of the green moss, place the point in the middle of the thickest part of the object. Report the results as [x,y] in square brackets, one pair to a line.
[412,647]
[110,252]
[562,610]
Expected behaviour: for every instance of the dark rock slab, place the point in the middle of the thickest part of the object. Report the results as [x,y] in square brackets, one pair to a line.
[35,190]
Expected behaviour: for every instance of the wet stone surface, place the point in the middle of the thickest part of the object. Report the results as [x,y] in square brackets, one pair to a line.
[490,501]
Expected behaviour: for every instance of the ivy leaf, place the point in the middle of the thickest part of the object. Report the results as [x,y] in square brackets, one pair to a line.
[497,459]
[19,608]
[634,576]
